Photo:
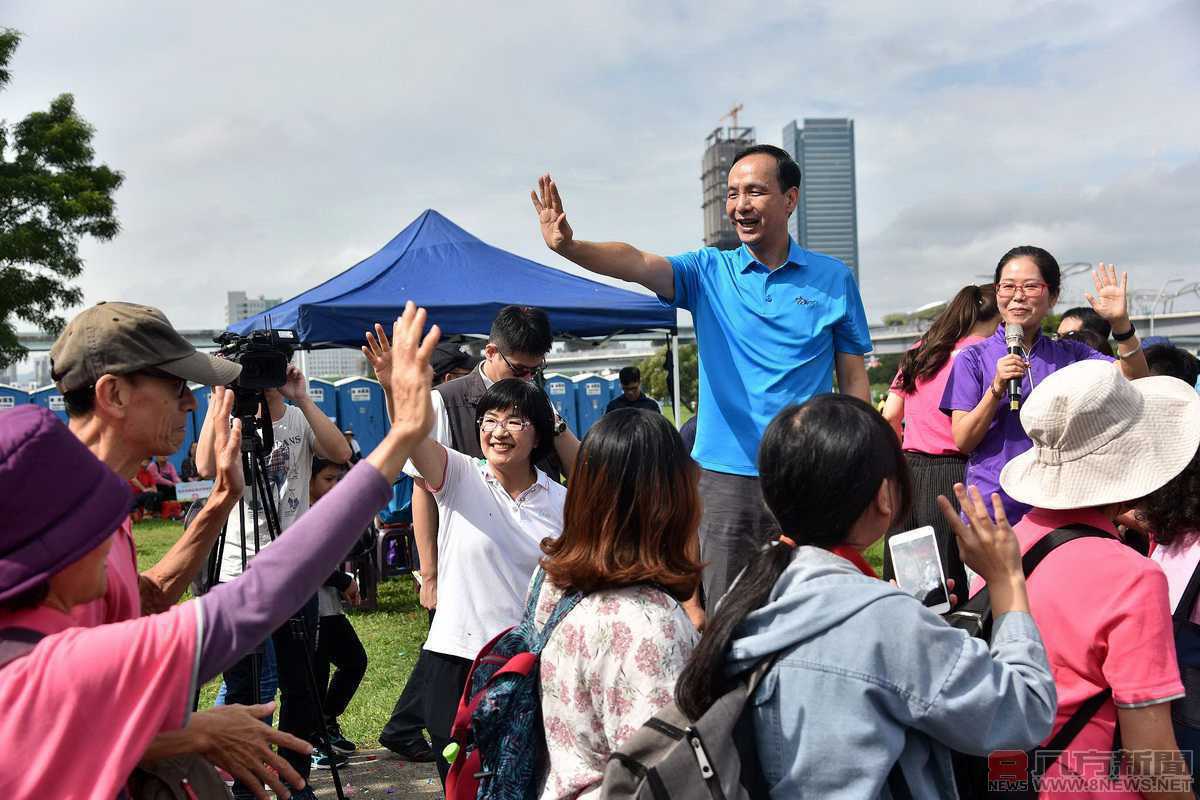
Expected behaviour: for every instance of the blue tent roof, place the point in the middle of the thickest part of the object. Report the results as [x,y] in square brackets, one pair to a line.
[463,282]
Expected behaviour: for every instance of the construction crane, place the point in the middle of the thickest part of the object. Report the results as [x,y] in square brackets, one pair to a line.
[733,115]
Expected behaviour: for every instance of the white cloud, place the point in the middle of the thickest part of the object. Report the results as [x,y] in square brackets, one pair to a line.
[267,147]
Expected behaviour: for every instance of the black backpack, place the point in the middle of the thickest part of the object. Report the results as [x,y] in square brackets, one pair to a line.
[971,773]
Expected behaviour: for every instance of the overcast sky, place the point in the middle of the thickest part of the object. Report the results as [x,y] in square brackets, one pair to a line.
[268,146]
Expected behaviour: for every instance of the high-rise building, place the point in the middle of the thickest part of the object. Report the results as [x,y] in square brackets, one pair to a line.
[337,362]
[238,306]
[826,219]
[723,145]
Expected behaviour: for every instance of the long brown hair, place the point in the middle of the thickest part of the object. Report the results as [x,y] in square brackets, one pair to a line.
[972,304]
[632,510]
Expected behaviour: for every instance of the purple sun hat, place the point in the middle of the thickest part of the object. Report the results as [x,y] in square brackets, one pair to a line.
[57,500]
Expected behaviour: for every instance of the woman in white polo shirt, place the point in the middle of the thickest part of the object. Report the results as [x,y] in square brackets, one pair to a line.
[495,513]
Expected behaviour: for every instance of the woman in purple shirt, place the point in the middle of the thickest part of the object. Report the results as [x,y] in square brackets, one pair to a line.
[1027,281]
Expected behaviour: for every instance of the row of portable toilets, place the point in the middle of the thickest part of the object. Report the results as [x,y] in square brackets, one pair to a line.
[356,404]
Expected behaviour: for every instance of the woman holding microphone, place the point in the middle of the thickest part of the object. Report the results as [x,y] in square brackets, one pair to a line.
[985,420]
[912,409]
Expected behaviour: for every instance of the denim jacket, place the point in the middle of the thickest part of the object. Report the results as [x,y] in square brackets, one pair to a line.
[868,676]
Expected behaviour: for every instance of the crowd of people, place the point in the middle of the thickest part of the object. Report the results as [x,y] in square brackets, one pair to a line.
[685,565]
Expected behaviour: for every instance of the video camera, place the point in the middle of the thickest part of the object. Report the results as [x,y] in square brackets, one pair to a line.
[264,356]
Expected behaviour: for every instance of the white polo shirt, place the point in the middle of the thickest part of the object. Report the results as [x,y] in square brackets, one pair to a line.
[488,548]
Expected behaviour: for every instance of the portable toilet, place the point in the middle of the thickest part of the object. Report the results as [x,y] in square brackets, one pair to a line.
[614,386]
[324,395]
[11,397]
[561,392]
[591,398]
[361,409]
[49,397]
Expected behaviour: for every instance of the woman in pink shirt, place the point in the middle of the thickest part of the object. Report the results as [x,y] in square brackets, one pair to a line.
[81,704]
[934,461]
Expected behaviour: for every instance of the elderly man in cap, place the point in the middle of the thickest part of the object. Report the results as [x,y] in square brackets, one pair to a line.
[123,371]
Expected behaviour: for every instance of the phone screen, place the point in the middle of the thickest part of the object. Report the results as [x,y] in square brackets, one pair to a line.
[919,567]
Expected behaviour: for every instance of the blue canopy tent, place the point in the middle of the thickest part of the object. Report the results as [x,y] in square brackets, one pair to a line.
[463,282]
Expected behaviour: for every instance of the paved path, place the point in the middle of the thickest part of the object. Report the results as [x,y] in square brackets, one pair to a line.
[379,775]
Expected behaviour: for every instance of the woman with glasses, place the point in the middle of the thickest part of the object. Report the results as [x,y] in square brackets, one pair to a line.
[984,422]
[494,514]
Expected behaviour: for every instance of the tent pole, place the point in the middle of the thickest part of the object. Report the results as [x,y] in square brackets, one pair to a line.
[674,342]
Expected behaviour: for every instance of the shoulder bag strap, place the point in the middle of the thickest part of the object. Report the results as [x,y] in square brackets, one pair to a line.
[17,642]
[1070,729]
[1056,538]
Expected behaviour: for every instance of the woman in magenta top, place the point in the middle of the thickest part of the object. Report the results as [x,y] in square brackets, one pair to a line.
[81,704]
[912,409]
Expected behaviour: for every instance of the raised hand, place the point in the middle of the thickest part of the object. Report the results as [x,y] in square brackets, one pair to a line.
[990,548]
[1110,299]
[296,386]
[227,447]
[548,204]
[378,351]
[411,376]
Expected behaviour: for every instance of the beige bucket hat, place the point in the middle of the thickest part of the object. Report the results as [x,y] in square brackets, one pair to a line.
[1100,439]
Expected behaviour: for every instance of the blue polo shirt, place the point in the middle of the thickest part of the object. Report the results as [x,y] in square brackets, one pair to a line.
[766,340]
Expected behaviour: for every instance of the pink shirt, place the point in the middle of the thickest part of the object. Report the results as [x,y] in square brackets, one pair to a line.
[1178,560]
[81,708]
[1105,619]
[926,428]
[164,475]
[122,600]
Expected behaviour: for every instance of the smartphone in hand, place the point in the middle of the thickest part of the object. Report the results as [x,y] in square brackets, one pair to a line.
[918,565]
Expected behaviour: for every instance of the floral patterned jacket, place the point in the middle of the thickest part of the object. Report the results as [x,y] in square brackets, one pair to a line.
[609,666]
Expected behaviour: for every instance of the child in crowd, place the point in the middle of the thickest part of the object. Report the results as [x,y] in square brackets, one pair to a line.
[337,643]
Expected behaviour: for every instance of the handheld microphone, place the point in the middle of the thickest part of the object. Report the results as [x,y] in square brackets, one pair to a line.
[1013,337]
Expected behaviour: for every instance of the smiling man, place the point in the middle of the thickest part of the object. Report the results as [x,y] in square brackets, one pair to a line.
[774,323]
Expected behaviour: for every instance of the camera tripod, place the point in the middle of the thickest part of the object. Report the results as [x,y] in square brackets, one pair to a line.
[251,408]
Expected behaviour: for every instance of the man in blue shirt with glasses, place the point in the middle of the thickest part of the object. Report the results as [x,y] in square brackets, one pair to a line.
[774,323]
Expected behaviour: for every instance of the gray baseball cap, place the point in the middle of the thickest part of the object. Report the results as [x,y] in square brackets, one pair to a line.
[120,338]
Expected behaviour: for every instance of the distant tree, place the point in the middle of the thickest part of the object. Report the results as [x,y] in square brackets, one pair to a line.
[51,196]
[654,375]
[895,320]
[1050,323]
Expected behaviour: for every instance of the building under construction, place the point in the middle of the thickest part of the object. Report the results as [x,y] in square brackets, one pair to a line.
[722,145]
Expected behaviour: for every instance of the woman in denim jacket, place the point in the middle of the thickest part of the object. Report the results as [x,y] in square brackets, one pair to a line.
[867,677]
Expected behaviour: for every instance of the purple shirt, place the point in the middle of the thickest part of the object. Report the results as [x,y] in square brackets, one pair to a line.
[973,372]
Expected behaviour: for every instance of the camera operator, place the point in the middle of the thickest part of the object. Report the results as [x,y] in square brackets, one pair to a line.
[300,431]
[123,372]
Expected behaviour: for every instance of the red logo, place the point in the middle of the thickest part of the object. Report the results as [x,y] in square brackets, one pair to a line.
[1008,766]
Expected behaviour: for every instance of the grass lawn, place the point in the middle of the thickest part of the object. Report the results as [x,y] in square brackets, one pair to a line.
[392,636]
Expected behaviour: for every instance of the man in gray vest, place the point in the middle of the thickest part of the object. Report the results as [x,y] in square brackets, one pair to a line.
[516,348]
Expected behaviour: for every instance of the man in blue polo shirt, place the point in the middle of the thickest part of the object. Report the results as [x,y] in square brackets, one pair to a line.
[774,322]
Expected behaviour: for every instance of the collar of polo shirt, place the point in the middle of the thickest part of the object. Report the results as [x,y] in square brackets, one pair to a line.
[795,256]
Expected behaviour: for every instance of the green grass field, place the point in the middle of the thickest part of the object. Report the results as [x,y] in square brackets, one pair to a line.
[392,636]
